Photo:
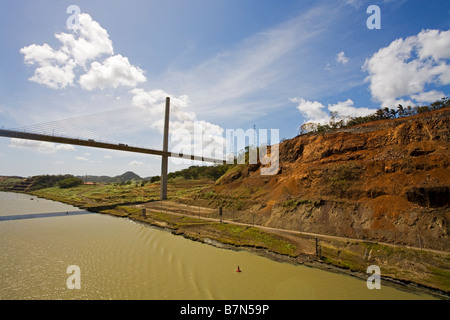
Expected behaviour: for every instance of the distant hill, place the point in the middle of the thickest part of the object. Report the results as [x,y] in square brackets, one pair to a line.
[14,183]
[191,173]
[45,181]
[127,176]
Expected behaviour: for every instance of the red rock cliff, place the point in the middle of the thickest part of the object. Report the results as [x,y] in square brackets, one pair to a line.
[385,181]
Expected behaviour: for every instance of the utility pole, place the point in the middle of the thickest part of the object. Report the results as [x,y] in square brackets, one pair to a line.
[232,147]
[165,157]
[317,248]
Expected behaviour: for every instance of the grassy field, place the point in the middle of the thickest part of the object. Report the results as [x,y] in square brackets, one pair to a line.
[91,196]
[7,181]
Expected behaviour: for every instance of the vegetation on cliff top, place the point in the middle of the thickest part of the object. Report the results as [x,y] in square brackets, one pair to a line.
[381,114]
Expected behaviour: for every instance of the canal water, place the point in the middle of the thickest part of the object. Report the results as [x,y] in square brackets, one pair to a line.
[121,259]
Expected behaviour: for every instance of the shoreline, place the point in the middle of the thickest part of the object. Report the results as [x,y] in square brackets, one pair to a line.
[306,260]
[191,229]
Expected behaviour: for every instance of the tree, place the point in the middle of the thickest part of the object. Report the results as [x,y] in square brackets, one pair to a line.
[155,178]
[422,109]
[392,113]
[380,114]
[409,111]
[308,127]
[323,127]
[444,102]
[334,122]
[69,182]
[400,110]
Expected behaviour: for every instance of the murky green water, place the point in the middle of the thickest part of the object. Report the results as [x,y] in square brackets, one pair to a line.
[121,259]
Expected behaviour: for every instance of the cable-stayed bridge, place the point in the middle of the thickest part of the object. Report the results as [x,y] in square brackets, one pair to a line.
[113,130]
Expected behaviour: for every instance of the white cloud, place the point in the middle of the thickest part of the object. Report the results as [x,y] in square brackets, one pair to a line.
[341,58]
[135,163]
[113,72]
[57,69]
[54,77]
[434,44]
[316,112]
[187,134]
[347,109]
[154,102]
[40,146]
[87,42]
[199,138]
[43,55]
[82,158]
[405,67]
[429,96]
[355,3]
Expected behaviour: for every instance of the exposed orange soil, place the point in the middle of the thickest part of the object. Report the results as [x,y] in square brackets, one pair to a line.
[386,180]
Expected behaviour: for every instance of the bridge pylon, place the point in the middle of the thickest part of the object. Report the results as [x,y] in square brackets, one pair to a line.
[165,157]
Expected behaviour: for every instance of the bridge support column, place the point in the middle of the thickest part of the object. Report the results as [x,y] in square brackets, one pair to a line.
[165,157]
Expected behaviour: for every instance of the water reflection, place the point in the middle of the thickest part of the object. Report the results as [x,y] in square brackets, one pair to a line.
[42,215]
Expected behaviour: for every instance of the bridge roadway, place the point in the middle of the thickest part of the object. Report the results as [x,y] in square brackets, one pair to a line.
[101,145]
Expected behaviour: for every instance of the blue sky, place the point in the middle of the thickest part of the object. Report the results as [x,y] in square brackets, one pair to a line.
[228,63]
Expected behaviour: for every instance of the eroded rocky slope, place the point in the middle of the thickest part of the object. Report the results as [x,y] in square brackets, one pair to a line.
[385,181]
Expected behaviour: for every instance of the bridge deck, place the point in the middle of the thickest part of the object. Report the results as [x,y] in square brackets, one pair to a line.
[102,145]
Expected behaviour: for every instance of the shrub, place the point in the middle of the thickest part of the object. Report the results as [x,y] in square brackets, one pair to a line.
[69,182]
[155,178]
